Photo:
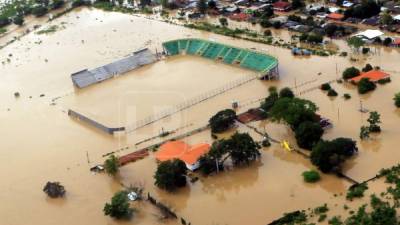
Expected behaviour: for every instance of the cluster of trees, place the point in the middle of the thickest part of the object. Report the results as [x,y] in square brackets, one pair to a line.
[222,121]
[14,11]
[311,38]
[298,113]
[240,148]
[374,120]
[170,175]
[364,85]
[366,9]
[328,156]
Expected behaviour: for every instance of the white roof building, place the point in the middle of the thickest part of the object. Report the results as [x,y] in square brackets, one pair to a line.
[397,17]
[370,34]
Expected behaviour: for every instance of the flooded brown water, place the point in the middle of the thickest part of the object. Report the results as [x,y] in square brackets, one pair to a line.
[41,143]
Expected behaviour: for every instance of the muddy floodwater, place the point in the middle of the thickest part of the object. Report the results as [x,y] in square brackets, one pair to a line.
[41,143]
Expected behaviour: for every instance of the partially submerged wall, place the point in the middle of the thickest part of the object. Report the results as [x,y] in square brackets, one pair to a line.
[80,117]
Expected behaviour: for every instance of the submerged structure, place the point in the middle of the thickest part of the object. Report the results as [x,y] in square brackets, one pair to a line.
[265,65]
[137,59]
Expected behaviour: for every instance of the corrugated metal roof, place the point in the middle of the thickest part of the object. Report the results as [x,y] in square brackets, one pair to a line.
[86,77]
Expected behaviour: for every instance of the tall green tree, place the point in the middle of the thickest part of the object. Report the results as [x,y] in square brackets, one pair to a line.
[111,165]
[355,43]
[170,175]
[308,134]
[119,208]
[293,111]
[243,149]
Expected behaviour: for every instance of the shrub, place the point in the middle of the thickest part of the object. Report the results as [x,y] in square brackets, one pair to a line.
[367,68]
[265,23]
[311,176]
[266,143]
[346,96]
[56,4]
[39,10]
[397,100]
[18,20]
[78,3]
[387,41]
[374,120]
[350,73]
[277,24]
[111,165]
[384,81]
[223,21]
[54,189]
[332,93]
[119,207]
[356,191]
[365,50]
[325,87]
[365,85]
[267,33]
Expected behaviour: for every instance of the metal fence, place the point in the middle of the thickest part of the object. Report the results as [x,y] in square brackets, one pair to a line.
[190,102]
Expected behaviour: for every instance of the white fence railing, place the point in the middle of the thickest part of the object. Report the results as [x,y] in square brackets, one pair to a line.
[190,102]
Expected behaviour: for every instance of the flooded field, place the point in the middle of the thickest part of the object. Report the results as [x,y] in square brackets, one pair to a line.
[40,143]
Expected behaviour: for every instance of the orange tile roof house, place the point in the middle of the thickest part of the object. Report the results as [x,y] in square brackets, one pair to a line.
[373,75]
[180,150]
[335,16]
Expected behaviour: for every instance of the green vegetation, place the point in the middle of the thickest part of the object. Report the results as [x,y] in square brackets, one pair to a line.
[328,156]
[396,100]
[350,73]
[374,120]
[308,134]
[332,93]
[367,68]
[240,148]
[355,43]
[223,21]
[356,191]
[286,93]
[222,121]
[311,176]
[365,86]
[111,165]
[49,30]
[325,87]
[3,30]
[366,9]
[119,208]
[39,10]
[364,132]
[297,217]
[202,6]
[170,175]
[346,96]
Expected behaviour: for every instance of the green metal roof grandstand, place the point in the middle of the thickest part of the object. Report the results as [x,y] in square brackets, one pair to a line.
[246,58]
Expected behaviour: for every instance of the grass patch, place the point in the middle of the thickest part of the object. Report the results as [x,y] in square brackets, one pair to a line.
[49,30]
[311,176]
[356,191]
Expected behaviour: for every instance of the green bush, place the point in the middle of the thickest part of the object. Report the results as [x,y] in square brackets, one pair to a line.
[222,121]
[397,100]
[350,73]
[39,11]
[332,93]
[119,208]
[111,165]
[384,81]
[356,191]
[346,96]
[308,134]
[325,87]
[311,176]
[365,85]
[286,93]
[170,175]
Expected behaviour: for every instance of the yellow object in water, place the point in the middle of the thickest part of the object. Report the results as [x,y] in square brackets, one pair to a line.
[286,146]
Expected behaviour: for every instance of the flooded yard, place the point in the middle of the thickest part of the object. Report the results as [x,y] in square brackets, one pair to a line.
[41,143]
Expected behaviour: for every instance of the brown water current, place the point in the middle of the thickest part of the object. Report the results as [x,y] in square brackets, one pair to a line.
[41,143]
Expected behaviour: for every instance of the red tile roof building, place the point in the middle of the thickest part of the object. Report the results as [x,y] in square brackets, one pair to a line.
[373,75]
[282,6]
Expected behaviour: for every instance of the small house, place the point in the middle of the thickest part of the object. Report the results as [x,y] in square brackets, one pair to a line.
[282,6]
[373,75]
